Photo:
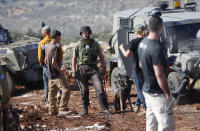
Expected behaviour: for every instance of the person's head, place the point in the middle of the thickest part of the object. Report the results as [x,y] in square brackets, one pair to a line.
[156,25]
[139,31]
[46,31]
[56,35]
[85,32]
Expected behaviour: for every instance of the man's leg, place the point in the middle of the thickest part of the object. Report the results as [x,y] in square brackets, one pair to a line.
[62,84]
[151,121]
[137,84]
[163,114]
[85,96]
[97,82]
[84,90]
[139,89]
[52,95]
[45,80]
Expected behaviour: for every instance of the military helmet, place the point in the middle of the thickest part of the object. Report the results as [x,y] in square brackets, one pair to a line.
[84,29]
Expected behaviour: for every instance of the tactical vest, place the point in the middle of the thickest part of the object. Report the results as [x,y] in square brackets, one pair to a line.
[87,53]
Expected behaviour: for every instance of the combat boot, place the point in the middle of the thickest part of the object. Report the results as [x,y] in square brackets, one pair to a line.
[106,111]
[85,111]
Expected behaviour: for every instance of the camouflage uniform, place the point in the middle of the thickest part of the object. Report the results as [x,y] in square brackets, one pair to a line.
[87,54]
[4,97]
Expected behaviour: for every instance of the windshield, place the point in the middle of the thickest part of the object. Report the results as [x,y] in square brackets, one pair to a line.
[184,36]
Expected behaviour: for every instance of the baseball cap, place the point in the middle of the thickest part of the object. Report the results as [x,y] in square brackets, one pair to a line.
[139,27]
[46,28]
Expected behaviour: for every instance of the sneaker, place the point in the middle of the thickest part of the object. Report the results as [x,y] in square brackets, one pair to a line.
[142,112]
[63,113]
[136,108]
[107,112]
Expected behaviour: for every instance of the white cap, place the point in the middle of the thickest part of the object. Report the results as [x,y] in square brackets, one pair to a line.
[46,28]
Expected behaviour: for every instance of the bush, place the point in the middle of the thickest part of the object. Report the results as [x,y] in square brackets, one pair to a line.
[31,33]
[15,35]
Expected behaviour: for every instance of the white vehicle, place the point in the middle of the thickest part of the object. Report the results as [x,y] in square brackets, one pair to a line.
[181,26]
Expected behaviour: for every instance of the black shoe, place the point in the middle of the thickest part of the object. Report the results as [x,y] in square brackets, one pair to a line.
[84,113]
[107,112]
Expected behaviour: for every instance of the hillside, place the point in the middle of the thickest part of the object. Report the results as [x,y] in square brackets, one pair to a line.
[65,15]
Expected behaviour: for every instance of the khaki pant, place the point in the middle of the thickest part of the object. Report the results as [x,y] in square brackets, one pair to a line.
[54,84]
[158,116]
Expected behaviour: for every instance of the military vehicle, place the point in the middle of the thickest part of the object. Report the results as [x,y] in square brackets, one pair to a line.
[181,26]
[19,59]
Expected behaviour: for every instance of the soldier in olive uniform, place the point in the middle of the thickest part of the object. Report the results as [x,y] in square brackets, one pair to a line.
[84,66]
[4,98]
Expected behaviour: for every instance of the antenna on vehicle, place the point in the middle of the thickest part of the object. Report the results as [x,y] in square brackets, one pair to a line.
[141,8]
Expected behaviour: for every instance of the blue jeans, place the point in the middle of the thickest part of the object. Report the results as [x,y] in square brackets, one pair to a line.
[45,80]
[138,83]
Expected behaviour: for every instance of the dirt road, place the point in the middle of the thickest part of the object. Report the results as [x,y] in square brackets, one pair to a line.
[33,114]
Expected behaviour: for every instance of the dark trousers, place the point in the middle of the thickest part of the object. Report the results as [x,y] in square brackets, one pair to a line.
[90,72]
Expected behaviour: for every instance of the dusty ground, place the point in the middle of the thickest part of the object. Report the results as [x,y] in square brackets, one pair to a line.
[33,113]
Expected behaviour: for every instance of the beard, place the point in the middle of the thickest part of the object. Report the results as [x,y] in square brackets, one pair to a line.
[86,38]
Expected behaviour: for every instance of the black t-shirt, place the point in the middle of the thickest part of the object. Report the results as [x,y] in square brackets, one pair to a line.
[133,47]
[151,53]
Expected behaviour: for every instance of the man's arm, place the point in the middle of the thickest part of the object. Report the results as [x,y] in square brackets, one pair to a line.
[45,60]
[102,60]
[40,55]
[61,52]
[124,52]
[74,60]
[162,80]
[55,65]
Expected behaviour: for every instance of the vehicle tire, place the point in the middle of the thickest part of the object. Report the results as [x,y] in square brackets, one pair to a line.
[11,82]
[174,81]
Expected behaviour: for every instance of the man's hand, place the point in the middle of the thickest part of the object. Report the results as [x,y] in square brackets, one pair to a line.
[104,71]
[167,96]
[6,107]
[74,74]
[121,46]
[62,72]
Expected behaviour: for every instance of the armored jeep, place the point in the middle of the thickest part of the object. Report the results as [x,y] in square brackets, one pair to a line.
[19,59]
[181,26]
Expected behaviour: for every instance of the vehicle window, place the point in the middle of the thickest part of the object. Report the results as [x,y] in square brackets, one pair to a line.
[184,36]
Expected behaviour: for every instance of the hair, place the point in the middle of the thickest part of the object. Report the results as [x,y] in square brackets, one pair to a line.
[48,31]
[141,33]
[55,34]
[155,23]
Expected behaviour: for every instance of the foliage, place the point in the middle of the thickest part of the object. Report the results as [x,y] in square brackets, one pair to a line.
[31,33]
[102,36]
[15,35]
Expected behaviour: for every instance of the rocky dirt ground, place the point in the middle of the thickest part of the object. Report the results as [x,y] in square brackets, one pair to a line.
[32,110]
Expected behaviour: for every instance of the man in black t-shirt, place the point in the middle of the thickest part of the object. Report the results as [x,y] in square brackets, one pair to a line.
[155,89]
[139,31]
